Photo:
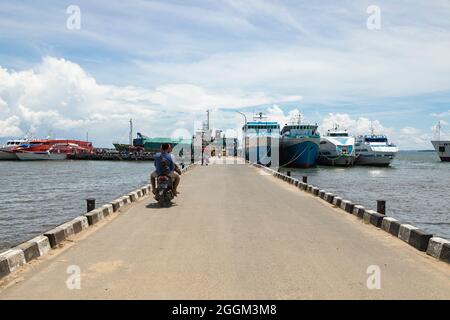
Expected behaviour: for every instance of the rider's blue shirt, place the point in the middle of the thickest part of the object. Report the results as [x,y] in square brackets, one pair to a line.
[170,163]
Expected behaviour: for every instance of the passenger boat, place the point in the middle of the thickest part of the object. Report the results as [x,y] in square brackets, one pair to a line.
[374,150]
[7,151]
[337,148]
[261,141]
[299,144]
[442,147]
[52,149]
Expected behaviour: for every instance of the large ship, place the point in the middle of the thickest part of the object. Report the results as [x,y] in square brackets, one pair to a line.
[261,141]
[442,147]
[299,144]
[50,149]
[337,148]
[7,151]
[374,150]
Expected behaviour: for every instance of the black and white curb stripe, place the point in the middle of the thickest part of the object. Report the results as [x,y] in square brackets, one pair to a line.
[14,258]
[421,240]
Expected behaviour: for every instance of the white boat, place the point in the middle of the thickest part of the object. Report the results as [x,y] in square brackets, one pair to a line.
[337,148]
[374,150]
[6,150]
[442,147]
[33,156]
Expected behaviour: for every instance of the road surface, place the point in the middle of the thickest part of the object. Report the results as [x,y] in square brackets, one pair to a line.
[233,234]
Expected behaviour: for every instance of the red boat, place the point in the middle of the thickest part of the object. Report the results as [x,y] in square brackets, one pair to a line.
[48,149]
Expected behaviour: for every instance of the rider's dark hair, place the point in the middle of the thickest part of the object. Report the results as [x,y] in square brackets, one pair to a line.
[165,146]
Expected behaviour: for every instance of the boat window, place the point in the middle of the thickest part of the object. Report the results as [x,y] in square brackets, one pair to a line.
[376,140]
[441,149]
[323,142]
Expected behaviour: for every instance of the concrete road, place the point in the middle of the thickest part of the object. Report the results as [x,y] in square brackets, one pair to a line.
[234,234]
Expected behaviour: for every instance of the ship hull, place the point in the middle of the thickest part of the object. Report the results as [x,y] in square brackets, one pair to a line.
[40,156]
[373,160]
[443,150]
[341,161]
[300,153]
[5,155]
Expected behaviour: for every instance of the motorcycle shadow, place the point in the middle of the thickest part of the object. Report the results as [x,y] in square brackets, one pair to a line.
[156,205]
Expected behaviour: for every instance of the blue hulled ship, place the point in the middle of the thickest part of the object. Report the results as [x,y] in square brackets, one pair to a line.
[299,144]
[261,141]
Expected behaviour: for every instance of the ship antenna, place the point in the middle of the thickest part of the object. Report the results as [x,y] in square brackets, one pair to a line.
[131,132]
[372,130]
[439,130]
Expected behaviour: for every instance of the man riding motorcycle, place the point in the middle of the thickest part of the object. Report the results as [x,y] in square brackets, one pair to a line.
[165,165]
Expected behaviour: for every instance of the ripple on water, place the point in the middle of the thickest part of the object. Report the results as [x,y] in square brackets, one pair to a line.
[415,188]
[37,196]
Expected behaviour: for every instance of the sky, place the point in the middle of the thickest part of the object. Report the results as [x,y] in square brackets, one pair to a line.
[164,63]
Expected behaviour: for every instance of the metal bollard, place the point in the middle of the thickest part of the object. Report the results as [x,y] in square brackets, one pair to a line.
[381,206]
[288,173]
[305,179]
[90,204]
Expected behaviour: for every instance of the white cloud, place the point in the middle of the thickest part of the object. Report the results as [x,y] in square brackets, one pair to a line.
[10,127]
[59,95]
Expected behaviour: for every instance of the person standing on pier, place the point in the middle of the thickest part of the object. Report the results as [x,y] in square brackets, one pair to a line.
[173,171]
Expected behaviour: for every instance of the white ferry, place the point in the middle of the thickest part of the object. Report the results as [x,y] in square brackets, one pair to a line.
[442,147]
[337,148]
[6,151]
[374,150]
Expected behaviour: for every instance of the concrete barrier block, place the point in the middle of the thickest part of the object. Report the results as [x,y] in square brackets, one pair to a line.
[30,250]
[4,268]
[321,194]
[315,191]
[139,193]
[419,239]
[115,204]
[107,209]
[126,200]
[404,232]
[310,187]
[79,224]
[144,191]
[68,229]
[445,253]
[35,247]
[329,197]
[94,216]
[373,217]
[436,246]
[337,201]
[358,211]
[391,226]
[15,258]
[132,196]
[296,182]
[347,206]
[55,236]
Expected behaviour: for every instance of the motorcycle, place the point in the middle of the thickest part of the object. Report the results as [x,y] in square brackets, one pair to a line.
[164,191]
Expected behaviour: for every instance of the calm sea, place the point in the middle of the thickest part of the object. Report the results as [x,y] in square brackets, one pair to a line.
[37,196]
[416,188]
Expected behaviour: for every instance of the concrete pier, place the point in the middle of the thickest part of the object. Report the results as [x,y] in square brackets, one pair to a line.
[233,233]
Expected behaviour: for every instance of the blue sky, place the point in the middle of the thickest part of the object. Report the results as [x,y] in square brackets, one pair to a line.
[164,62]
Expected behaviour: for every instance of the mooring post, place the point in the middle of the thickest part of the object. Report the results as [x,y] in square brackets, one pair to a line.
[288,173]
[90,202]
[381,206]
[305,179]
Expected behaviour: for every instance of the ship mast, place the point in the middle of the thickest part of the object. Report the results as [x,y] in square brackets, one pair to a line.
[131,132]
[438,128]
